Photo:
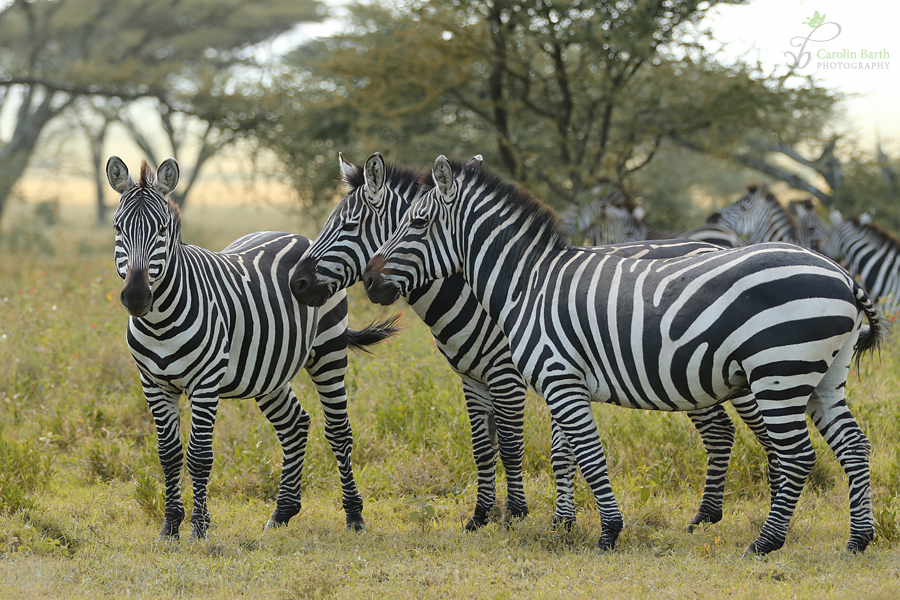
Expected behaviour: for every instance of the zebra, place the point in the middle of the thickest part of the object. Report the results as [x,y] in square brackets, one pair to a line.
[669,334]
[758,217]
[224,325]
[812,231]
[870,253]
[477,350]
[616,218]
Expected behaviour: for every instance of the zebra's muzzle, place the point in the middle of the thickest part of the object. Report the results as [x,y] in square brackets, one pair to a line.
[137,297]
[377,289]
[306,287]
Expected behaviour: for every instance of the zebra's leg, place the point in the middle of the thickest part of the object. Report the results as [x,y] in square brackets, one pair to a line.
[482,421]
[785,420]
[508,398]
[829,412]
[717,433]
[327,370]
[164,408]
[564,465]
[204,406]
[746,406]
[571,409]
[291,423]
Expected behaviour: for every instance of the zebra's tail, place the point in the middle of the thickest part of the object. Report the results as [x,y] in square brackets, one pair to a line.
[372,334]
[870,337]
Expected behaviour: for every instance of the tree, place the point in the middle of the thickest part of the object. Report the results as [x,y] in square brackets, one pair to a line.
[562,95]
[180,53]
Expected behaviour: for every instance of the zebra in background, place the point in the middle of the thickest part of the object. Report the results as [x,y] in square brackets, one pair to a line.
[671,334]
[224,325]
[758,217]
[477,350]
[812,231]
[870,253]
[615,218]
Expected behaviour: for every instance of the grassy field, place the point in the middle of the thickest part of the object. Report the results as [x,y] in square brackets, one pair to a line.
[81,493]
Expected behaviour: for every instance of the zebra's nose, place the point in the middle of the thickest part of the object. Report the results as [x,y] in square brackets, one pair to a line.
[303,284]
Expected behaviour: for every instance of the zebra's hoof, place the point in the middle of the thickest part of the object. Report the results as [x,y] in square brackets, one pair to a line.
[170,530]
[355,522]
[281,516]
[607,542]
[479,519]
[565,524]
[514,515]
[704,517]
[760,548]
[859,542]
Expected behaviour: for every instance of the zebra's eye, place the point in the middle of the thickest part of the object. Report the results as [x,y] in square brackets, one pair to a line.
[418,223]
[118,229]
[349,226]
[162,231]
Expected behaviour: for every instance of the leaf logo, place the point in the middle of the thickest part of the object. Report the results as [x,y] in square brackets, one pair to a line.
[815,20]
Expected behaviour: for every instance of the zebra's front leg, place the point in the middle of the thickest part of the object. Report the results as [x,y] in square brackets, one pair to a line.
[571,409]
[484,449]
[328,377]
[508,400]
[204,406]
[717,433]
[564,465]
[291,424]
[164,408]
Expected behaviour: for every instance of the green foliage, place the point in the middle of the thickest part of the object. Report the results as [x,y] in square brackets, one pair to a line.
[149,495]
[25,470]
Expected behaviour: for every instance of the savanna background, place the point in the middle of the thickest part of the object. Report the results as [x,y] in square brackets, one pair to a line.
[255,99]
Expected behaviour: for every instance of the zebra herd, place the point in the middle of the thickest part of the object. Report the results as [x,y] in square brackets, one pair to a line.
[678,324]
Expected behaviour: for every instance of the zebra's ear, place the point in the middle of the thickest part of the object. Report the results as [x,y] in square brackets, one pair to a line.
[836,217]
[639,213]
[349,171]
[167,176]
[443,176]
[374,173]
[865,218]
[476,161]
[117,175]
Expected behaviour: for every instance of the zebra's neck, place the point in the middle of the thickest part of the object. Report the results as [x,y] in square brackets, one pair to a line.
[506,242]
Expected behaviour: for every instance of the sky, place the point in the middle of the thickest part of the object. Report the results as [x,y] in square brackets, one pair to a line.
[765,29]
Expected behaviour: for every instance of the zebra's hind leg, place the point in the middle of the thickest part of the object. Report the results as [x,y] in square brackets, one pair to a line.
[564,465]
[571,410]
[164,408]
[785,419]
[291,424]
[484,449]
[717,433]
[327,371]
[829,412]
[746,406]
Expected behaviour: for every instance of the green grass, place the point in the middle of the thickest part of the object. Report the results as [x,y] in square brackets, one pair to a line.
[81,493]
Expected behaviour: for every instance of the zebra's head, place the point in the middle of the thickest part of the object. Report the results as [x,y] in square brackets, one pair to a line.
[421,250]
[145,221]
[364,218]
[812,232]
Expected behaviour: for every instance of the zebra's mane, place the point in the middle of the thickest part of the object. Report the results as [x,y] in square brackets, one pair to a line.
[508,192]
[394,172]
[871,229]
[148,179]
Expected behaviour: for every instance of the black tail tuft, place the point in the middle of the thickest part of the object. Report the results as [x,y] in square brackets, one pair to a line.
[870,337]
[376,332]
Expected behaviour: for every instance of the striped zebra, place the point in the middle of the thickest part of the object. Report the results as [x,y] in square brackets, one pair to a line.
[758,217]
[670,334]
[224,325]
[870,253]
[477,350]
[616,218]
[812,231]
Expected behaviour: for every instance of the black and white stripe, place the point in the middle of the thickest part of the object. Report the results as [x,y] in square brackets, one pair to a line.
[758,217]
[672,334]
[224,324]
[870,253]
[477,349]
